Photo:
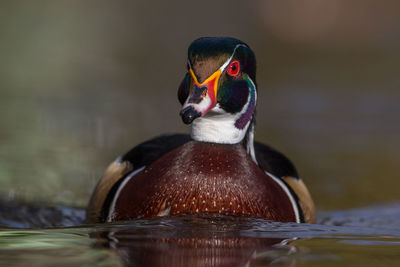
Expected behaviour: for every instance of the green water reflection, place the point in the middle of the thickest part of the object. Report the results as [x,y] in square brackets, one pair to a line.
[373,251]
[61,247]
[145,242]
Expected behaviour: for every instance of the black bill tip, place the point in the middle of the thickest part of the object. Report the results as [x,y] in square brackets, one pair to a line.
[189,114]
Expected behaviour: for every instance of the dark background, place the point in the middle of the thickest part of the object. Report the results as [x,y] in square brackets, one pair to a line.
[83,81]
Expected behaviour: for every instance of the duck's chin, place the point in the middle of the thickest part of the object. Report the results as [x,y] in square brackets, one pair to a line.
[218,126]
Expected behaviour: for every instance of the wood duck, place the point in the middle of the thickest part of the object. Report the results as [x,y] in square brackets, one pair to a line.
[218,168]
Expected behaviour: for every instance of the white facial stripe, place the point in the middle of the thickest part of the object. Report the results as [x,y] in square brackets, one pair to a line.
[222,68]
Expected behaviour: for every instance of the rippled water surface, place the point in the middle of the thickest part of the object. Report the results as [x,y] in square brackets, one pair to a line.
[368,237]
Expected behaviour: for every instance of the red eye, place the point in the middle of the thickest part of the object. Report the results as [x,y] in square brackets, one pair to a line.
[234,68]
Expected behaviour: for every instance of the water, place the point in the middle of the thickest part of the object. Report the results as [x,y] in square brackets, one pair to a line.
[368,236]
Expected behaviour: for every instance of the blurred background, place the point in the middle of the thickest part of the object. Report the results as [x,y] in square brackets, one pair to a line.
[81,82]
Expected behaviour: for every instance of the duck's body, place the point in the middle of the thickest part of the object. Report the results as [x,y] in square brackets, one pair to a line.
[218,168]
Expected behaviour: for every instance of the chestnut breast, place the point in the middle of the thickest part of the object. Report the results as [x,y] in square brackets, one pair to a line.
[200,177]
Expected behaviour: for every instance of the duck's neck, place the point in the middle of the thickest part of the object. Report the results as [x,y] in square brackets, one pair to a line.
[217,126]
[220,127]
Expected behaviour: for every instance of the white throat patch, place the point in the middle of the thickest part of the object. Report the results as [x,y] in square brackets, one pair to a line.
[218,126]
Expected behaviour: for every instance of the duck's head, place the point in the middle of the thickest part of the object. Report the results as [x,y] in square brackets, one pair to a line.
[218,92]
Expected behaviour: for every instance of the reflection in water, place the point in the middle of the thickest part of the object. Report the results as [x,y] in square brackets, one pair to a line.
[198,251]
[361,237]
[193,241]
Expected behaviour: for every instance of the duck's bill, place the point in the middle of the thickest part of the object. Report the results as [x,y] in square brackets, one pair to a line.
[202,97]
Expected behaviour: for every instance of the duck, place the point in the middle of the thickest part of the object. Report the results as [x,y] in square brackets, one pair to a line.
[217,169]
